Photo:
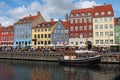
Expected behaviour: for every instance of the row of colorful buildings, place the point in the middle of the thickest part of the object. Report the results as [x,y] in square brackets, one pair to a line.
[96,25]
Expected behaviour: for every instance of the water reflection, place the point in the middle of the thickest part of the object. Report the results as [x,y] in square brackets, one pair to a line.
[36,70]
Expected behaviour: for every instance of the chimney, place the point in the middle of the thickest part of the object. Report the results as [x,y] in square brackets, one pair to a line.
[51,20]
[38,13]
[30,15]
[104,3]
[0,25]
[66,17]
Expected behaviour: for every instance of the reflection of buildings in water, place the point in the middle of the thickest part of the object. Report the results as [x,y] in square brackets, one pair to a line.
[78,74]
[40,74]
[6,72]
[21,73]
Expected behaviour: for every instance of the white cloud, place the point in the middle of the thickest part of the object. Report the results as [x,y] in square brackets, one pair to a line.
[50,9]
[5,21]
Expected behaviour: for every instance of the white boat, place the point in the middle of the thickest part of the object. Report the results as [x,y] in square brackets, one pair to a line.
[81,57]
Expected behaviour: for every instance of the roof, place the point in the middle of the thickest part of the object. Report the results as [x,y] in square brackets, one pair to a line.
[117,21]
[26,19]
[65,24]
[103,8]
[29,18]
[80,11]
[95,9]
[45,24]
[7,29]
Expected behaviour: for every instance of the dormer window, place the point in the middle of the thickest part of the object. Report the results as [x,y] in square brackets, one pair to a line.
[43,25]
[83,14]
[89,13]
[96,14]
[109,12]
[72,15]
[77,14]
[48,24]
[102,13]
[38,25]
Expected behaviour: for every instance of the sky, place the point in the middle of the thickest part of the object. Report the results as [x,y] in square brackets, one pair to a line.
[13,10]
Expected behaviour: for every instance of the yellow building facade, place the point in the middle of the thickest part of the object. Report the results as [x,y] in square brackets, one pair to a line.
[41,34]
[103,31]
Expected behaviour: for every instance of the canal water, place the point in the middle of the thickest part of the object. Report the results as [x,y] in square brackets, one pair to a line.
[37,70]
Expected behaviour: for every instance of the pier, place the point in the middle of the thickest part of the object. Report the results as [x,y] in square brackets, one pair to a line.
[55,56]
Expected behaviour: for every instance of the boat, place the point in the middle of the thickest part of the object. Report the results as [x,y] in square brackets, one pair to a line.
[81,57]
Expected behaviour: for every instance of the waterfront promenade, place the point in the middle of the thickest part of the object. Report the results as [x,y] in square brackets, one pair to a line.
[55,56]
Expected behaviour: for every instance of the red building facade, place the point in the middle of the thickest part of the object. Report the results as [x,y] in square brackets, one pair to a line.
[80,26]
[6,36]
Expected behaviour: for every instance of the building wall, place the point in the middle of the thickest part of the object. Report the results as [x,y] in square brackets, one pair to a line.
[22,35]
[117,34]
[102,31]
[60,35]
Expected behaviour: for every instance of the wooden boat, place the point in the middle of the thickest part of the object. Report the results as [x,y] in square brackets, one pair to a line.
[81,57]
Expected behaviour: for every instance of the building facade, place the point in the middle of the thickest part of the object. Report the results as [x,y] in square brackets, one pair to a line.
[41,34]
[60,36]
[6,36]
[23,30]
[103,25]
[80,27]
[117,31]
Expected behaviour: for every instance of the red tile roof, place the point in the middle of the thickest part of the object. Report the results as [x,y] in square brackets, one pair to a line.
[46,24]
[26,19]
[65,24]
[80,11]
[102,8]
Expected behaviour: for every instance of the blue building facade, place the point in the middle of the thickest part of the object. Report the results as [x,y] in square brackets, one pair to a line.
[22,35]
[60,34]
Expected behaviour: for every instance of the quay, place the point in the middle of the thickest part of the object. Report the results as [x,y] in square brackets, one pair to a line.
[55,56]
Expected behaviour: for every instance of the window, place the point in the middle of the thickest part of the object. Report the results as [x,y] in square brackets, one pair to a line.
[111,41]
[89,20]
[71,21]
[101,26]
[97,41]
[72,15]
[102,13]
[49,35]
[84,35]
[106,26]
[91,34]
[101,33]
[111,26]
[38,35]
[106,41]
[77,14]
[96,26]
[101,41]
[35,30]
[76,28]
[111,33]
[85,20]
[80,20]
[45,35]
[85,27]
[96,20]
[83,14]
[81,28]
[90,27]
[109,12]
[96,34]
[101,19]
[76,35]
[38,30]
[106,33]
[105,19]
[41,35]
[110,18]
[89,13]
[71,28]
[76,20]
[96,14]
[35,36]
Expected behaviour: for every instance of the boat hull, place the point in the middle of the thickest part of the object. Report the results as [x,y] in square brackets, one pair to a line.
[90,61]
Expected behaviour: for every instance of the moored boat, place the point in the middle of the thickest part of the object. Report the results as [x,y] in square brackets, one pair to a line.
[81,57]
